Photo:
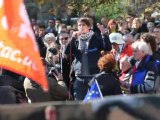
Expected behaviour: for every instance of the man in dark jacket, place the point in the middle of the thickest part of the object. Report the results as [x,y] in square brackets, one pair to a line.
[86,50]
[39,40]
[57,91]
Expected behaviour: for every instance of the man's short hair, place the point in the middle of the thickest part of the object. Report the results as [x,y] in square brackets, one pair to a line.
[42,26]
[51,18]
[59,19]
[141,46]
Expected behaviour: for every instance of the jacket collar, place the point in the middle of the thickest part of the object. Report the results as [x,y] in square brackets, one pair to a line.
[143,62]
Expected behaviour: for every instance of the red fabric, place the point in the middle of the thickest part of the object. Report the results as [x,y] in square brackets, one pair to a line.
[128,50]
[18,47]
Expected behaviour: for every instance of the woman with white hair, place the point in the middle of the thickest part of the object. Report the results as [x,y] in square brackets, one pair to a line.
[144,72]
[48,39]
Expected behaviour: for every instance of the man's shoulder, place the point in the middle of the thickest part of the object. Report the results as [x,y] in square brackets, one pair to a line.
[97,36]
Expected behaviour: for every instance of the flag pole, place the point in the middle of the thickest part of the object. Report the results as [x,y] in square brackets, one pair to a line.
[99,89]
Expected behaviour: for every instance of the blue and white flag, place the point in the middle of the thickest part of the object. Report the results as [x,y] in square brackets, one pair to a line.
[94,93]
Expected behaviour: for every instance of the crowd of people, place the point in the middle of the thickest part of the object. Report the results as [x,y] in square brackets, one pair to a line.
[122,54]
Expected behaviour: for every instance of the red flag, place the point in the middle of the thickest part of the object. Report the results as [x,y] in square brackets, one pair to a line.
[18,48]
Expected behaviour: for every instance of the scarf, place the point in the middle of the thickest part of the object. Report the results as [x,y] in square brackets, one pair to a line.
[84,40]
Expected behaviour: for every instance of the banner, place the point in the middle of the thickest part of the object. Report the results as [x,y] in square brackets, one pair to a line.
[18,48]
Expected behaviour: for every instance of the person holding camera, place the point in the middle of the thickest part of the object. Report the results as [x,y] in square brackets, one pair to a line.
[57,88]
[64,38]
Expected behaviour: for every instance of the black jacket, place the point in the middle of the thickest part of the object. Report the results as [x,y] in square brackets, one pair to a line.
[107,43]
[108,83]
[156,59]
[94,48]
[155,56]
[42,47]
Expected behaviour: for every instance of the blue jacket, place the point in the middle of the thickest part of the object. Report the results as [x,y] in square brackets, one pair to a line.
[143,79]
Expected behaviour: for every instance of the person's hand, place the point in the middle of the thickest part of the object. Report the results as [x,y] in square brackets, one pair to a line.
[76,34]
[58,75]
[124,64]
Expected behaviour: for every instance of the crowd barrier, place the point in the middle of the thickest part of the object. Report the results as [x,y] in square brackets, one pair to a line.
[135,107]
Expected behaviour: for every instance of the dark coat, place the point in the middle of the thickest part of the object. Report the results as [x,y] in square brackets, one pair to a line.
[108,83]
[8,95]
[9,78]
[96,30]
[42,47]
[155,56]
[94,48]
[57,91]
[107,43]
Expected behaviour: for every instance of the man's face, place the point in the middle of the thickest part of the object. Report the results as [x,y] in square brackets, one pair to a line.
[41,32]
[56,58]
[115,46]
[33,22]
[156,32]
[64,39]
[138,54]
[51,23]
[83,28]
[104,21]
[58,22]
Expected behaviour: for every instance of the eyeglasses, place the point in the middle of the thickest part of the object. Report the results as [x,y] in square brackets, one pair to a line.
[65,38]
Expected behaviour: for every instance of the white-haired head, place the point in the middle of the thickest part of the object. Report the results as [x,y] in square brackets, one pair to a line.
[49,38]
[128,38]
[140,49]
[141,46]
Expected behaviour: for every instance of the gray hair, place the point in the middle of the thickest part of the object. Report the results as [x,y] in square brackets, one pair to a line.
[49,36]
[127,37]
[141,46]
